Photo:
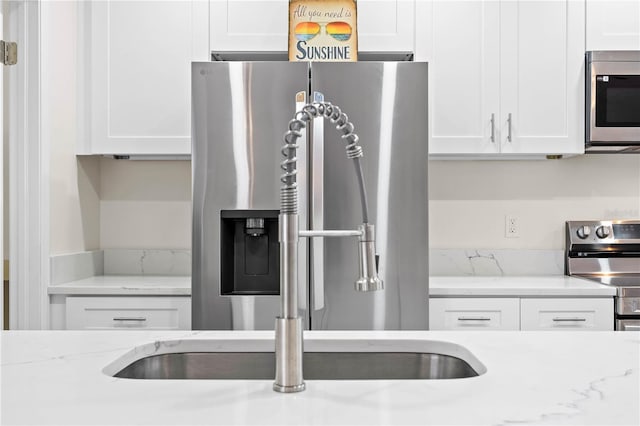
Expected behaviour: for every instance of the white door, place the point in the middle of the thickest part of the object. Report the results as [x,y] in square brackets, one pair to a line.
[542,85]
[464,76]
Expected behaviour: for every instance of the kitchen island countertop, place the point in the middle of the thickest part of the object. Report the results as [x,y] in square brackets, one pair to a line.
[54,377]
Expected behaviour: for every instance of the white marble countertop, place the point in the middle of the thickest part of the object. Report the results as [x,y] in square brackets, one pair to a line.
[51,377]
[125,285]
[541,286]
[504,286]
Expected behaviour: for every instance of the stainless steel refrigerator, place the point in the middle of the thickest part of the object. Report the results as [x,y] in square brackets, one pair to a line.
[241,111]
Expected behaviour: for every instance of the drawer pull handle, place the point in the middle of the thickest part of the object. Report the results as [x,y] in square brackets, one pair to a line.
[569,319]
[474,319]
[129,319]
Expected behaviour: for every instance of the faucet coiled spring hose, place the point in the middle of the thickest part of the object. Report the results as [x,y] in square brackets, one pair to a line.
[289,189]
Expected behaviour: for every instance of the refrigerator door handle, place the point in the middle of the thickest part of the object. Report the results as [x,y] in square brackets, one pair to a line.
[303,172]
[317,207]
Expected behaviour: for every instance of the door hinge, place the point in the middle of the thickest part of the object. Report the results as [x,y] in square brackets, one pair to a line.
[9,52]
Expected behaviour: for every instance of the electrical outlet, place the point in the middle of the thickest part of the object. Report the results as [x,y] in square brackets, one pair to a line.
[511,227]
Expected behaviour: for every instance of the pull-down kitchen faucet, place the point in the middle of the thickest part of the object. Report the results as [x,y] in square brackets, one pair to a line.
[289,347]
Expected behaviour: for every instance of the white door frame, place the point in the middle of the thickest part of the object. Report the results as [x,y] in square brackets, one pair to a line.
[29,174]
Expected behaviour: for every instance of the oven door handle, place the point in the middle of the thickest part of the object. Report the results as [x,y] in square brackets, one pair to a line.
[631,327]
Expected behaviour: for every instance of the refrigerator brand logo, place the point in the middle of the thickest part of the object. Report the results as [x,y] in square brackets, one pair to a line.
[322,30]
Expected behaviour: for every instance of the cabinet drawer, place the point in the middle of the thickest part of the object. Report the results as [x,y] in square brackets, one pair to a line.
[474,314]
[567,314]
[123,313]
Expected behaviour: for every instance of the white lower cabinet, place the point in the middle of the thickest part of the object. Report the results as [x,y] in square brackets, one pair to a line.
[123,313]
[566,314]
[483,313]
[474,314]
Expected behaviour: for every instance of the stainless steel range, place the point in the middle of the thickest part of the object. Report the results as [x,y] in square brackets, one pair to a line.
[608,251]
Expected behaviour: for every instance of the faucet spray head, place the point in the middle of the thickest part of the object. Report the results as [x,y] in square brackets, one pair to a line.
[368,280]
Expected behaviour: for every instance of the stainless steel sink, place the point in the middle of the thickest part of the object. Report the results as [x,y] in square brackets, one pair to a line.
[324,360]
[316,366]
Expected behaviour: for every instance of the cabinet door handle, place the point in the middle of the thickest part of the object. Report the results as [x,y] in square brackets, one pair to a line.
[509,139]
[129,319]
[569,319]
[493,128]
[474,319]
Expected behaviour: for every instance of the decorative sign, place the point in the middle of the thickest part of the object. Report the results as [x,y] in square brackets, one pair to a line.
[323,30]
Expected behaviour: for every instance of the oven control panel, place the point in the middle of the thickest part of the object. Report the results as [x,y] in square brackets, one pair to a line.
[603,232]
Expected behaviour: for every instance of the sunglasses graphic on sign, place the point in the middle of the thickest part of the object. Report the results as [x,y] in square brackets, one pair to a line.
[339,30]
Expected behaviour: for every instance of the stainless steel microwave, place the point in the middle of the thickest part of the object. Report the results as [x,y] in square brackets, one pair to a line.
[613,102]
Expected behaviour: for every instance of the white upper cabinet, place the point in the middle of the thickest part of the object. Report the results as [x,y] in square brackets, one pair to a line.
[386,25]
[262,25]
[463,51]
[613,24]
[542,77]
[506,77]
[244,25]
[138,83]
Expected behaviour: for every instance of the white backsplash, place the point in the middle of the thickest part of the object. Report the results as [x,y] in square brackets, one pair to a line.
[147,262]
[501,262]
[76,266]
[442,262]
